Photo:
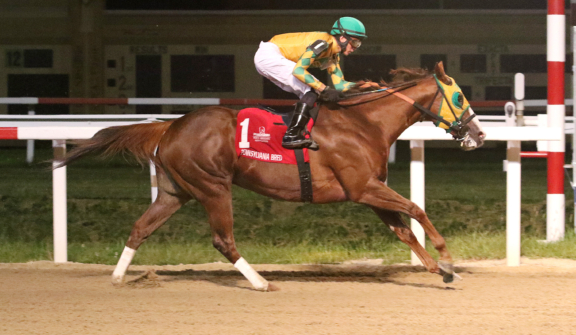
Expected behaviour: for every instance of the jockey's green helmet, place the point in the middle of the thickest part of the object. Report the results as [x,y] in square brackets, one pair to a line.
[349,26]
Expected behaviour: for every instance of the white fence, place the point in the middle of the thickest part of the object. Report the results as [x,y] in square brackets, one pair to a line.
[60,128]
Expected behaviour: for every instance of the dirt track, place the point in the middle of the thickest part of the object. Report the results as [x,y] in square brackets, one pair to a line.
[43,298]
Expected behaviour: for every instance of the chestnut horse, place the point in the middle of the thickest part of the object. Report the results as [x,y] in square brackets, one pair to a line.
[196,159]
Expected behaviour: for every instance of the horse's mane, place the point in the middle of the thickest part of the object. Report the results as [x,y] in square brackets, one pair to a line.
[399,76]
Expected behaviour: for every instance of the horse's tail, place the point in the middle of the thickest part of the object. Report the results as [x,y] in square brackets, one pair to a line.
[140,140]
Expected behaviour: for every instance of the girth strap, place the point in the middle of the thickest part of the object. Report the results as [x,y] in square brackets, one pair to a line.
[305,176]
[314,112]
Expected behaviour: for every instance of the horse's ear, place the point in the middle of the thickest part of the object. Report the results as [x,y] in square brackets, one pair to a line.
[440,74]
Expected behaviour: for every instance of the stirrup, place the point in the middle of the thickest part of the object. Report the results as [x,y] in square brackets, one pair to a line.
[295,145]
[306,143]
[314,146]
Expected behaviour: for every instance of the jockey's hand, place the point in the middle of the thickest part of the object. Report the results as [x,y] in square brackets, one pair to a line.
[330,94]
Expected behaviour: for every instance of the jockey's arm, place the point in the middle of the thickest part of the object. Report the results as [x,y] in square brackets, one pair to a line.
[301,70]
[338,78]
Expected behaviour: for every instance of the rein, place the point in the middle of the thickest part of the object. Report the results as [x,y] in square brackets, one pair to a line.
[388,90]
[458,128]
[403,86]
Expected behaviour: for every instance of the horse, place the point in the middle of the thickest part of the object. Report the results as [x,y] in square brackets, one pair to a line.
[196,159]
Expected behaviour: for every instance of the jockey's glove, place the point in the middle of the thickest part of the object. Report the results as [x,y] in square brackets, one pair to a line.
[331,94]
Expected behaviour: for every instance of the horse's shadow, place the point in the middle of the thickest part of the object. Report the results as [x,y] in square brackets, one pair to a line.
[316,273]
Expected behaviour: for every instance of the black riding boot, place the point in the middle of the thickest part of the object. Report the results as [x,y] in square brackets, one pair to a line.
[295,135]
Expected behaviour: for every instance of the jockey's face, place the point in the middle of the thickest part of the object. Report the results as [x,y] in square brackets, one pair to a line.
[350,46]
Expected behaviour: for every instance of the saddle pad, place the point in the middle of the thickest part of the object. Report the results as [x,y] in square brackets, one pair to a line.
[259,136]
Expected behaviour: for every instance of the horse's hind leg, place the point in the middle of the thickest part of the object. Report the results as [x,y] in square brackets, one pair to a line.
[397,225]
[405,234]
[377,195]
[219,209]
[164,206]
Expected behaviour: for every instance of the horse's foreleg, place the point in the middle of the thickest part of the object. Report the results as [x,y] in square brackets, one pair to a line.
[164,206]
[377,195]
[219,210]
[405,234]
[445,263]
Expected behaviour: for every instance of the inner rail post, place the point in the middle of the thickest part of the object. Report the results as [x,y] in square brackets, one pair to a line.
[513,203]
[60,212]
[30,143]
[417,188]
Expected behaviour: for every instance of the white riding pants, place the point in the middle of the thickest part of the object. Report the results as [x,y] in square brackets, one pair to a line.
[271,64]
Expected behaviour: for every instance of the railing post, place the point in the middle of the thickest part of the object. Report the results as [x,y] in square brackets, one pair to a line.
[573,40]
[519,88]
[556,111]
[513,203]
[30,143]
[60,215]
[153,181]
[417,191]
[392,154]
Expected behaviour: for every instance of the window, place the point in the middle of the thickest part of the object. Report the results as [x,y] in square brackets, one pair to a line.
[429,61]
[372,67]
[271,91]
[148,82]
[29,58]
[473,63]
[202,73]
[523,64]
[38,58]
[536,92]
[38,85]
[498,93]
[467,90]
[568,63]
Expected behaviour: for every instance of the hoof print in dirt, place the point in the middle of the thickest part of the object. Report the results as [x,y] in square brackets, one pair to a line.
[272,288]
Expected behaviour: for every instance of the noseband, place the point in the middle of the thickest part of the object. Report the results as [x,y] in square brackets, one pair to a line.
[458,128]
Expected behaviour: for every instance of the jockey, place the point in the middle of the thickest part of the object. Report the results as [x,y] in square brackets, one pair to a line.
[285,60]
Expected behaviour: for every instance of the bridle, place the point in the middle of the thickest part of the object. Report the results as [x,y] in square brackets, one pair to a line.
[458,128]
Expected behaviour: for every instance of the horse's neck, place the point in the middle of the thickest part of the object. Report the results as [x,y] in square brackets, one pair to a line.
[394,115]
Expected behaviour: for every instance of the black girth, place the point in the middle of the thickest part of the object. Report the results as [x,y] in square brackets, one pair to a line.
[304,172]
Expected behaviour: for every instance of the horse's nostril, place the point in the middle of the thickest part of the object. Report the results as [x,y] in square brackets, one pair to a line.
[482,135]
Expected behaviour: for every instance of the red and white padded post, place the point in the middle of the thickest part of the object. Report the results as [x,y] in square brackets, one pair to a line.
[556,56]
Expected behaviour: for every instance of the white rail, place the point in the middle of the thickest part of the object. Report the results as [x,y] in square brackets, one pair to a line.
[417,135]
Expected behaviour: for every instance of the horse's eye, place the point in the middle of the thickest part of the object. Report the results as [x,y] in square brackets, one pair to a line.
[458,100]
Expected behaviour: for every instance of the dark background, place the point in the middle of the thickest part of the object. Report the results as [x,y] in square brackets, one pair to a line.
[325,4]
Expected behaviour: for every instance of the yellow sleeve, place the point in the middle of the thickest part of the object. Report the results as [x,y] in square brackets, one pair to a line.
[338,77]
[301,70]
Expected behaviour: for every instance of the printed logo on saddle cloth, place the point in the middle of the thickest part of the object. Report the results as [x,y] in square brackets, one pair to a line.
[259,136]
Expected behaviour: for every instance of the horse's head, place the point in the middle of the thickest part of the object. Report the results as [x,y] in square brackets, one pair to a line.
[454,112]
[448,108]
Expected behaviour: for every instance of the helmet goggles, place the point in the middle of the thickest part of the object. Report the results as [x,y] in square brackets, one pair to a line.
[355,42]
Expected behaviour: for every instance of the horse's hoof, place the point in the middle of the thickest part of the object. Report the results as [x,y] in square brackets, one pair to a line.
[447,272]
[272,288]
[117,280]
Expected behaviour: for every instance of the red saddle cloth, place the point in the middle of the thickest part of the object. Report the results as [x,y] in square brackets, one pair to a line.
[259,136]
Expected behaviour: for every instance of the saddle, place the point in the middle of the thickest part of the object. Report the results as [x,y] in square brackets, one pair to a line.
[259,133]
